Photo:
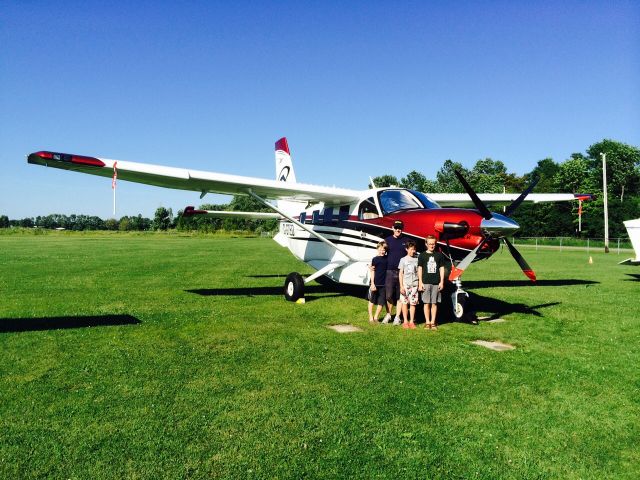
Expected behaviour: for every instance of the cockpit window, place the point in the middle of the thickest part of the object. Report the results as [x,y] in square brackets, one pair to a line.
[394,200]
[426,201]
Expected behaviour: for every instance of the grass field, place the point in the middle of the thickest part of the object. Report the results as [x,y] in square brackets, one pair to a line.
[165,356]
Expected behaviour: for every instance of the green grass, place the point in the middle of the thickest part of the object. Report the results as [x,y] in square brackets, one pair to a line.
[166,356]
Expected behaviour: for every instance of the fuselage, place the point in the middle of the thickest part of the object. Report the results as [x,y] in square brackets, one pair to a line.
[357,228]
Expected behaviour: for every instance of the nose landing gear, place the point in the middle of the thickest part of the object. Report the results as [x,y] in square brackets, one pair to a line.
[461,305]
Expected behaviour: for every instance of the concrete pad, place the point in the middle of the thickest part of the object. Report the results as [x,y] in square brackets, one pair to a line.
[497,346]
[344,328]
[495,320]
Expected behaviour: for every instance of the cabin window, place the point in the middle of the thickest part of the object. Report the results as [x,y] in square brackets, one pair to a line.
[328,215]
[315,219]
[303,217]
[344,213]
[368,209]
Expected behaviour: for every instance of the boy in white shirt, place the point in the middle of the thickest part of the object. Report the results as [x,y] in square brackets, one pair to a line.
[408,277]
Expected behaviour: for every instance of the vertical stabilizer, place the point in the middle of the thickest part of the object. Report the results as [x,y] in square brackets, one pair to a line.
[284,167]
[285,173]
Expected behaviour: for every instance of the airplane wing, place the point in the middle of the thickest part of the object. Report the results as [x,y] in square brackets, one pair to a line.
[463,200]
[195,180]
[192,211]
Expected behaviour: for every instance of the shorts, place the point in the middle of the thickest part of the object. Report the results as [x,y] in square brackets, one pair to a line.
[377,296]
[392,286]
[411,296]
[431,294]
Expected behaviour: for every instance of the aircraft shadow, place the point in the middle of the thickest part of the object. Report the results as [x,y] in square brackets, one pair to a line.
[309,291]
[10,325]
[635,277]
[473,284]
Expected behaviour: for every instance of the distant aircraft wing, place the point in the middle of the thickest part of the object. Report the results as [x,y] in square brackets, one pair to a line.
[194,180]
[463,200]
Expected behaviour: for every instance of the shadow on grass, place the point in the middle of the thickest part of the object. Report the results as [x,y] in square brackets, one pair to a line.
[473,284]
[498,308]
[55,323]
[311,292]
[635,277]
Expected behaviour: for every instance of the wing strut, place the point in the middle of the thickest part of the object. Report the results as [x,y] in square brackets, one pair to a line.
[301,225]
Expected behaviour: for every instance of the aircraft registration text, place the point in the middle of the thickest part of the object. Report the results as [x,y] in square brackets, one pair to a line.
[288,229]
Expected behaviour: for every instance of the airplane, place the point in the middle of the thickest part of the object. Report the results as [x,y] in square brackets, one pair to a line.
[336,230]
[633,229]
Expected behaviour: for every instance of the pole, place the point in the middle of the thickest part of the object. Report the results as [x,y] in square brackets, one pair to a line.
[606,208]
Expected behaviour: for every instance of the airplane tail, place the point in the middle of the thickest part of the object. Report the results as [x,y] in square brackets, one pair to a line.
[285,173]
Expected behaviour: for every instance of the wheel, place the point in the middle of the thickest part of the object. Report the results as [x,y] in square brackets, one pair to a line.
[293,287]
[459,302]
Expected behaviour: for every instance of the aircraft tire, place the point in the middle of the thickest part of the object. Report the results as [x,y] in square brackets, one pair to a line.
[293,287]
[459,306]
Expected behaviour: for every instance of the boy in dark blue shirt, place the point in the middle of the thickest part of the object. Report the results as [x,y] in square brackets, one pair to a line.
[378,276]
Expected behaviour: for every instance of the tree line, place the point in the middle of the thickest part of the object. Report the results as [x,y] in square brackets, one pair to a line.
[580,173]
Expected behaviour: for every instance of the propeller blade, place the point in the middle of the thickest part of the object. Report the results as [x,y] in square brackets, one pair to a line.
[476,200]
[516,203]
[521,261]
[457,270]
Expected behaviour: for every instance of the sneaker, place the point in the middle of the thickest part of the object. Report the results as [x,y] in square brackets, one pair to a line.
[412,325]
[387,318]
[405,326]
[397,321]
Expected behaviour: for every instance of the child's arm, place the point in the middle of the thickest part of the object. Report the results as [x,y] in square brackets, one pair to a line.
[420,284]
[401,275]
[441,284]
[372,274]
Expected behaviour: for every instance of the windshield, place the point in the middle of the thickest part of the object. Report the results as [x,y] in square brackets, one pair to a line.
[394,200]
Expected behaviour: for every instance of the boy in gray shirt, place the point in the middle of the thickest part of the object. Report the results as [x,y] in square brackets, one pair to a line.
[408,277]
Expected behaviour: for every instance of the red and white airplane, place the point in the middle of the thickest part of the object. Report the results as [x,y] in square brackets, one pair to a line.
[335,230]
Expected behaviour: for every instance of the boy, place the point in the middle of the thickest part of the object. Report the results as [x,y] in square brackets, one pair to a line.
[378,276]
[408,277]
[431,283]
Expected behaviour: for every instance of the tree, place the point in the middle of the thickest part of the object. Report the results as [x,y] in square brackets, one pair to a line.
[574,175]
[488,176]
[385,181]
[545,172]
[162,218]
[4,221]
[417,181]
[623,162]
[447,182]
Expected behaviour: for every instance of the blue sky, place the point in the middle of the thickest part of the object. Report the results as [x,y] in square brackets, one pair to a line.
[359,88]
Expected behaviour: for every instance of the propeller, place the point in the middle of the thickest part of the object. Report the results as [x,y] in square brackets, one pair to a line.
[524,266]
[516,203]
[494,226]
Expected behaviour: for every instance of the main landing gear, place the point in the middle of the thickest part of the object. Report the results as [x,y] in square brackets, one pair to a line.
[294,287]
